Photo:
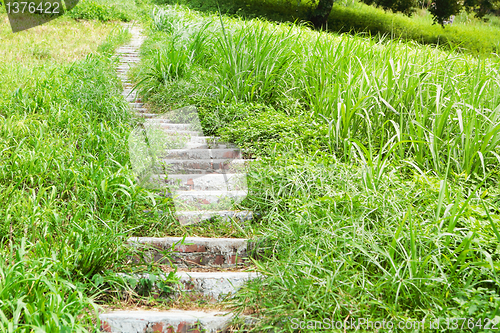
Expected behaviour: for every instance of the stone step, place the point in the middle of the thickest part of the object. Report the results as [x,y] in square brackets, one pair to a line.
[143,110]
[166,124]
[206,166]
[133,99]
[136,105]
[174,132]
[129,92]
[188,154]
[214,285]
[132,53]
[189,182]
[126,48]
[206,139]
[130,59]
[227,216]
[208,200]
[210,140]
[194,251]
[128,51]
[171,321]
[191,145]
[146,115]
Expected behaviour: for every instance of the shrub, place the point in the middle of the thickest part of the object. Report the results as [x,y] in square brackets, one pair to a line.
[366,19]
[101,11]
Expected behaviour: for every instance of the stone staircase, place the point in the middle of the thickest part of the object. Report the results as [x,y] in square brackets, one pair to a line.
[206,179]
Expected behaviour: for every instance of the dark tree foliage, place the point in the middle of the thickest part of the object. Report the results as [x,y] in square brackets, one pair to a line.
[441,10]
[482,7]
[403,6]
[319,16]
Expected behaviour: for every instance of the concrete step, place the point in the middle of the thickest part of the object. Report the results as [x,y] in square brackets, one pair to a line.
[208,200]
[198,139]
[189,154]
[175,132]
[189,182]
[128,51]
[184,140]
[130,59]
[227,216]
[133,99]
[132,54]
[167,124]
[205,166]
[171,321]
[207,140]
[129,92]
[216,285]
[146,115]
[143,110]
[134,51]
[213,285]
[126,48]
[195,251]
[136,105]
[191,145]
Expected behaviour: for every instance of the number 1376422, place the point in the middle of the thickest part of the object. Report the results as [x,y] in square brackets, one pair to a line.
[32,7]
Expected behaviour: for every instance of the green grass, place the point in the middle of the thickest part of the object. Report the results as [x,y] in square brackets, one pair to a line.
[105,10]
[68,194]
[378,184]
[23,53]
[365,96]
[467,34]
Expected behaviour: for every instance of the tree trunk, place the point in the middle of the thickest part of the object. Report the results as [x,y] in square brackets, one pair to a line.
[320,15]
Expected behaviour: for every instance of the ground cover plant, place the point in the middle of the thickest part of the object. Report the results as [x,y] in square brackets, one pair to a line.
[378,174]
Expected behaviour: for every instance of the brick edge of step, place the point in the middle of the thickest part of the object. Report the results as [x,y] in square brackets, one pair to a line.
[195,251]
[187,218]
[178,321]
[172,321]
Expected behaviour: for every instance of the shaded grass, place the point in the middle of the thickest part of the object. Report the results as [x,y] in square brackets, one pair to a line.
[467,33]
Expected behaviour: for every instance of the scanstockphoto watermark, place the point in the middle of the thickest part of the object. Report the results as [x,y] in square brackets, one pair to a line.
[358,324]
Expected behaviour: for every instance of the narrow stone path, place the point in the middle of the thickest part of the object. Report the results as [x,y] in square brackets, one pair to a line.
[205,179]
